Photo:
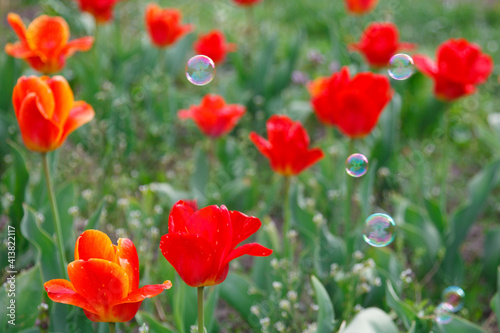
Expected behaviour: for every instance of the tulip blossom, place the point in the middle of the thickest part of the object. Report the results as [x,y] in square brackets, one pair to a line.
[103,279]
[360,7]
[354,104]
[102,10]
[287,147]
[460,66]
[214,46]
[246,2]
[379,42]
[200,244]
[213,116]
[164,25]
[45,44]
[47,112]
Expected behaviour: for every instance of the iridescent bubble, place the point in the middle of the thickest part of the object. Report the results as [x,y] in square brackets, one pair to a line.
[356,165]
[454,296]
[379,230]
[200,70]
[401,66]
[442,313]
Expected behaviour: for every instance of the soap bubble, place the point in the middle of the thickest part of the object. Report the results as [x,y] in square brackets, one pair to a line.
[442,313]
[454,296]
[356,165]
[379,230]
[200,70]
[401,66]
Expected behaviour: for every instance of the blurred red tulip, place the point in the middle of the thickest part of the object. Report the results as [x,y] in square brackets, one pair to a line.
[44,45]
[104,279]
[164,25]
[288,146]
[102,10]
[47,112]
[351,104]
[200,244]
[460,66]
[214,46]
[379,42]
[246,2]
[213,116]
[360,7]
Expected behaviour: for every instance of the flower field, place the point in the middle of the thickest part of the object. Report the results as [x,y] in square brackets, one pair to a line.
[250,166]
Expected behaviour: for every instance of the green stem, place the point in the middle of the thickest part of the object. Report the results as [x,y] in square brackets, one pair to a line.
[201,327]
[348,196]
[287,245]
[445,163]
[112,327]
[55,213]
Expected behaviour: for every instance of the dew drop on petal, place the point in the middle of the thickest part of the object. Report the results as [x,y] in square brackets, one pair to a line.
[401,66]
[442,313]
[454,296]
[356,165]
[379,230]
[200,70]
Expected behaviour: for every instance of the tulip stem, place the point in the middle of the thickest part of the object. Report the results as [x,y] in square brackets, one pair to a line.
[201,327]
[348,197]
[287,247]
[112,327]
[55,214]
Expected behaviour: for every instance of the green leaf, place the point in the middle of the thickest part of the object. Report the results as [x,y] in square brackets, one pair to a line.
[326,315]
[95,218]
[329,249]
[167,192]
[459,325]
[200,177]
[154,324]
[404,311]
[184,312]
[371,320]
[65,198]
[302,220]
[210,307]
[479,188]
[28,290]
[435,214]
[47,250]
[495,301]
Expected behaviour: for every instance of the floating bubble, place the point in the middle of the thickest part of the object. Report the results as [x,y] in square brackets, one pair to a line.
[200,70]
[401,66]
[379,230]
[454,296]
[442,313]
[356,165]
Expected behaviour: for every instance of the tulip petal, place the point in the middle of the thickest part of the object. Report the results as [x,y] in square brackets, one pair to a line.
[19,50]
[103,283]
[425,65]
[117,314]
[212,223]
[191,256]
[407,46]
[39,134]
[179,216]
[80,44]
[307,159]
[252,249]
[63,97]
[243,227]
[45,98]
[95,244]
[18,26]
[262,144]
[129,261]
[185,114]
[81,114]
[482,68]
[148,291]
[47,35]
[62,291]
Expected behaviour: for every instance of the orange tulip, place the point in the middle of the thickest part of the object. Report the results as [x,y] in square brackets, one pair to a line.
[360,7]
[44,45]
[47,112]
[102,10]
[164,25]
[104,279]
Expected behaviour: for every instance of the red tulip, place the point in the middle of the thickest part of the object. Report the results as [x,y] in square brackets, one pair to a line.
[460,67]
[360,7]
[200,245]
[214,46]
[44,45]
[47,112]
[379,42]
[102,10]
[213,116]
[288,146]
[352,104]
[104,279]
[164,25]
[246,2]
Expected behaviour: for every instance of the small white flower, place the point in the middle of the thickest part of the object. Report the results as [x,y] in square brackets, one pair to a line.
[122,202]
[158,210]
[315,307]
[264,322]
[87,194]
[277,285]
[280,327]
[358,255]
[73,210]
[358,308]
[285,304]
[255,310]
[292,295]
